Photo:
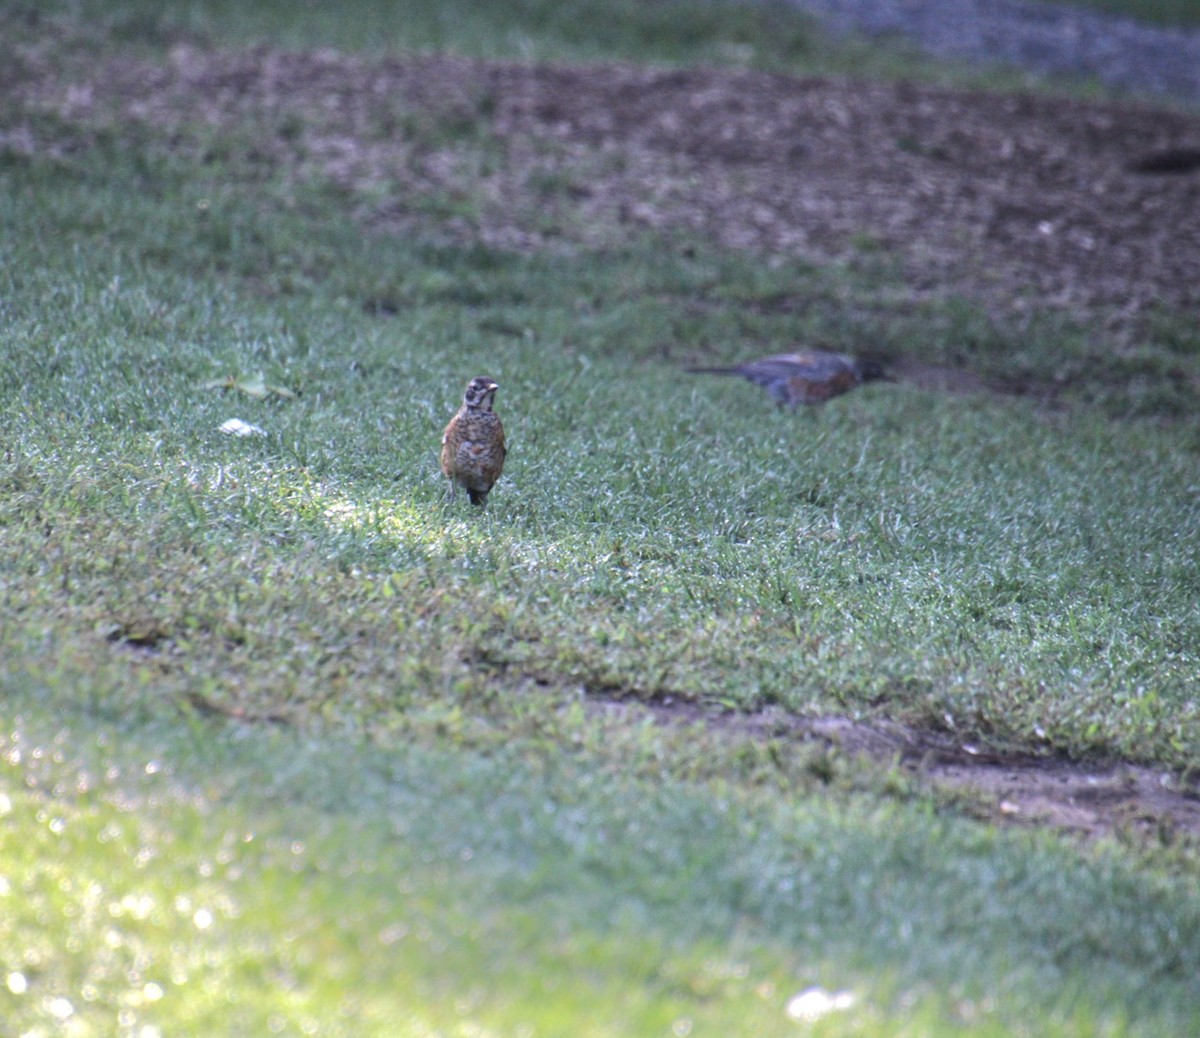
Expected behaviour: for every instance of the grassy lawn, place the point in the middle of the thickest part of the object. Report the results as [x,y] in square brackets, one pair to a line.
[294,746]
[175,879]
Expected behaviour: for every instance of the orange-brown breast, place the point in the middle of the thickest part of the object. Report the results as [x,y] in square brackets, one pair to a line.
[473,449]
[803,390]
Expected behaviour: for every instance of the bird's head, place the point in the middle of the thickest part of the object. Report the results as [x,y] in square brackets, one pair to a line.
[873,371]
[480,394]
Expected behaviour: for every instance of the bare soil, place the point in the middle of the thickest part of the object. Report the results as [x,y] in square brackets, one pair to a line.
[1088,798]
[1019,202]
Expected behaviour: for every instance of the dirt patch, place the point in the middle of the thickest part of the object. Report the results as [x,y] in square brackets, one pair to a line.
[939,378]
[1093,798]
[1089,798]
[1020,202]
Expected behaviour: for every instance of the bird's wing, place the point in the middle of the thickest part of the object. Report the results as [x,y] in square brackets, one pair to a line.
[816,367]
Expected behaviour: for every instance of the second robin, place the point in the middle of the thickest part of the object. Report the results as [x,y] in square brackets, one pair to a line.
[473,447]
[813,377]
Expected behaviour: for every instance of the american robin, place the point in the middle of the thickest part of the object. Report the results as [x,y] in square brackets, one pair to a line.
[804,378]
[473,444]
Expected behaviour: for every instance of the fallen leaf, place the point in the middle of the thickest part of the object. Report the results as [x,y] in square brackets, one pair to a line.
[255,385]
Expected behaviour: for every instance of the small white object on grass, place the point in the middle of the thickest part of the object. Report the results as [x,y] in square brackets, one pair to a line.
[815,1003]
[236,427]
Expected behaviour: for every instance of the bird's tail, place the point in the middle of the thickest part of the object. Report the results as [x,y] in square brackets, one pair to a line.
[713,371]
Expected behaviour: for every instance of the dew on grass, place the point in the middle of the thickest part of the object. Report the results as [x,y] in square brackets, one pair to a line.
[394,933]
[59,1008]
[135,906]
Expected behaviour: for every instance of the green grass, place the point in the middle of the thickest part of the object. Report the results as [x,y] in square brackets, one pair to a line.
[1166,12]
[183,882]
[293,745]
[770,34]
[965,561]
[667,30]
